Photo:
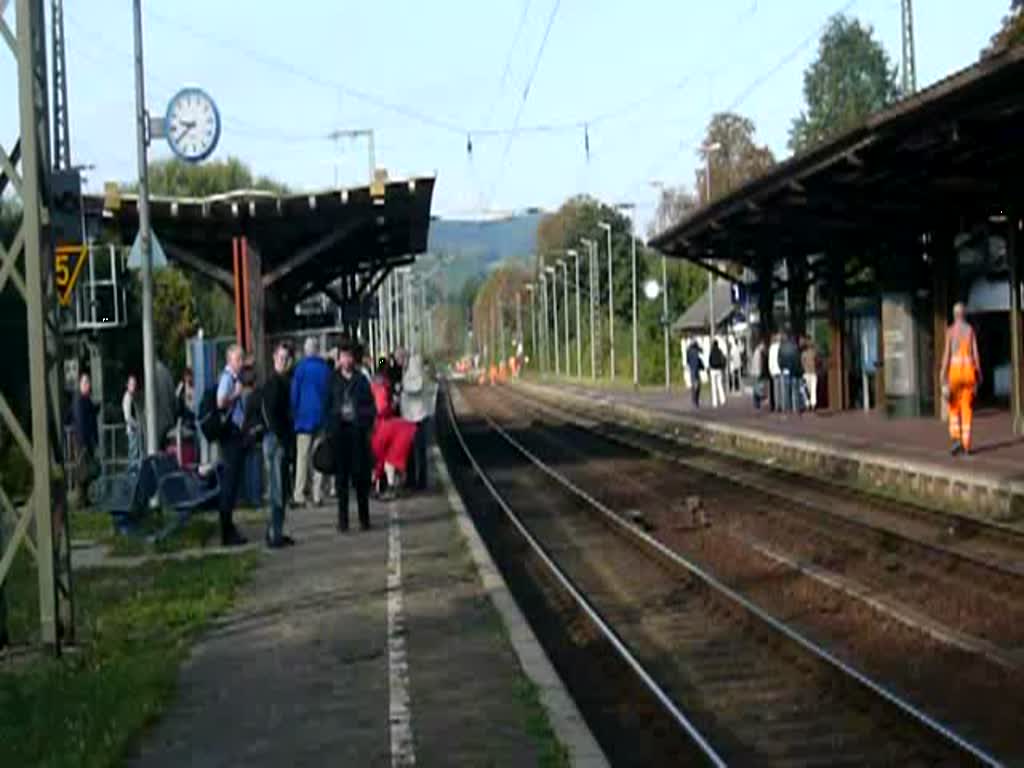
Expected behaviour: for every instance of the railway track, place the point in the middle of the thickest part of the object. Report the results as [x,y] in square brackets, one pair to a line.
[745,688]
[971,582]
[993,547]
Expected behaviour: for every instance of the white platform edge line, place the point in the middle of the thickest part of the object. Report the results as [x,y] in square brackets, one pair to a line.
[403,749]
[569,725]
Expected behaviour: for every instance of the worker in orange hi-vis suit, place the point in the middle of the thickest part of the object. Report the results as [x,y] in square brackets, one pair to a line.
[493,371]
[961,376]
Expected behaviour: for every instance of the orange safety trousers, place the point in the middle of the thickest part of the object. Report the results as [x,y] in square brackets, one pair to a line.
[962,383]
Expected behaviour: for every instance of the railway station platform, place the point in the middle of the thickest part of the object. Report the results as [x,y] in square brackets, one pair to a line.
[906,458]
[395,646]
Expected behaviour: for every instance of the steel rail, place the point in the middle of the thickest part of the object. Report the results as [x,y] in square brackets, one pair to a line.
[908,709]
[610,634]
[919,514]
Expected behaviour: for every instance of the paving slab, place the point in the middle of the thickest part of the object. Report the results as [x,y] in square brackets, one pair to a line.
[364,649]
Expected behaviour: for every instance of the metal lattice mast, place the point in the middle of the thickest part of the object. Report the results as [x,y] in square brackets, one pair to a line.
[61,120]
[909,59]
[32,245]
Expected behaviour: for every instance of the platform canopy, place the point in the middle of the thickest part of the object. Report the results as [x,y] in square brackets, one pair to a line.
[955,149]
[305,241]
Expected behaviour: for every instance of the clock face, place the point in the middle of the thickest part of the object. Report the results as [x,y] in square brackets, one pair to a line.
[193,125]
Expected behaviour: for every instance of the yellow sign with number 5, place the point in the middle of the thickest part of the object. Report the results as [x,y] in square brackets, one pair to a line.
[67,266]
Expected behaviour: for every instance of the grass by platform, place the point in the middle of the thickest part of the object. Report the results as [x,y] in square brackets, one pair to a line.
[199,532]
[135,627]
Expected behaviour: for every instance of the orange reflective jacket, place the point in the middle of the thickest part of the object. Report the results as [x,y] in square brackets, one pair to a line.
[963,369]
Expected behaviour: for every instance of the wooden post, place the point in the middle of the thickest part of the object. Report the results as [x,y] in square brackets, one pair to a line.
[255,306]
[237,272]
[837,384]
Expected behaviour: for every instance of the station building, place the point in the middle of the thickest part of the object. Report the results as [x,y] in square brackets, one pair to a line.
[885,228]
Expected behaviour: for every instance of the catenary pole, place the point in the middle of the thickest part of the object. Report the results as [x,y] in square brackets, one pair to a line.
[145,239]
[565,312]
[579,332]
[665,321]
[611,302]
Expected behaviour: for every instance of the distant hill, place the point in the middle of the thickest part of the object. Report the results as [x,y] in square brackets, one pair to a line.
[470,248]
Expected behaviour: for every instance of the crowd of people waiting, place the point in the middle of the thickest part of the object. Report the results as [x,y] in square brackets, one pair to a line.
[783,372]
[325,424]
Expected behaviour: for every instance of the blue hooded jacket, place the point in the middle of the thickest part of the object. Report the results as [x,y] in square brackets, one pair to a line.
[309,393]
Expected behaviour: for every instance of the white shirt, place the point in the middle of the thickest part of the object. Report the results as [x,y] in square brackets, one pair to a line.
[736,356]
[773,359]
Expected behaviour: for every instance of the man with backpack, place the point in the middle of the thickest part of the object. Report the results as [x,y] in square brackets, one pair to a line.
[308,392]
[231,414]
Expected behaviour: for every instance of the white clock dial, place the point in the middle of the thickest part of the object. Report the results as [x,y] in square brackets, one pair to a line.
[192,124]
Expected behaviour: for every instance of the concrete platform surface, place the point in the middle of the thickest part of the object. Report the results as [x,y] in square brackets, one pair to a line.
[362,649]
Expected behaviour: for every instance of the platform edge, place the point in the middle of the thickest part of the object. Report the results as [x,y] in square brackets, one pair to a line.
[569,725]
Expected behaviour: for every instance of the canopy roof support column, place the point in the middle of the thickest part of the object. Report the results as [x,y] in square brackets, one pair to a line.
[256,298]
[1016,335]
[838,396]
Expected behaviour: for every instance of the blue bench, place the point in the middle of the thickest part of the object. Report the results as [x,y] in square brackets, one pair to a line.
[127,497]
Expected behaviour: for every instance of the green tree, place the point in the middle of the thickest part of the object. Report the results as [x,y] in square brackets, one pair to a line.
[735,155]
[173,316]
[1010,33]
[578,217]
[180,179]
[493,312]
[674,205]
[851,78]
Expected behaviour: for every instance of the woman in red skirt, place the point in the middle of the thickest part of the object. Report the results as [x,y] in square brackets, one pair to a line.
[392,438]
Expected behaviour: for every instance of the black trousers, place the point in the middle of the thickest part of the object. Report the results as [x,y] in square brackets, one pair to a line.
[418,459]
[233,455]
[352,464]
[695,389]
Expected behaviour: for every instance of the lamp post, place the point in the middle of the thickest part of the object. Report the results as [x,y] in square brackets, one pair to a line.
[533,319]
[659,185]
[519,318]
[710,149]
[591,245]
[544,321]
[501,330]
[611,300]
[636,343]
[565,312]
[554,303]
[579,333]
[145,241]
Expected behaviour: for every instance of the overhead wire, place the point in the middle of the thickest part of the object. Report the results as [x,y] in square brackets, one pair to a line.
[526,96]
[315,79]
[749,91]
[508,62]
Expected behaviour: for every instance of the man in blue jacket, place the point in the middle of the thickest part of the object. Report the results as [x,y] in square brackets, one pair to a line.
[309,393]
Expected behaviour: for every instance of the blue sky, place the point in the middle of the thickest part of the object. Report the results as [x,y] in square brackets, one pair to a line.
[285,74]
